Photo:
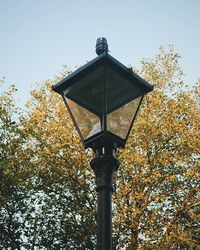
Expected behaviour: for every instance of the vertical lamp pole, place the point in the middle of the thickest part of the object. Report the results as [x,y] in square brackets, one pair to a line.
[108,95]
[104,166]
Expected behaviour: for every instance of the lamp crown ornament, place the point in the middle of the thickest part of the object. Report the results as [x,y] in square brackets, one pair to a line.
[101,46]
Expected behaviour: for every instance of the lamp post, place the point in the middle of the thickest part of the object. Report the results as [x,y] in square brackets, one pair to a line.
[108,96]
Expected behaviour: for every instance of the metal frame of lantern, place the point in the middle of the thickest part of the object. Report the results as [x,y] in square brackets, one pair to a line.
[104,63]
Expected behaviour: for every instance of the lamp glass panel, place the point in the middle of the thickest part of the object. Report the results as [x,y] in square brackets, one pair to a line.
[88,91]
[87,122]
[120,120]
[120,90]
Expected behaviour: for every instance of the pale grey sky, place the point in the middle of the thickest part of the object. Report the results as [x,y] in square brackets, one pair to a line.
[38,37]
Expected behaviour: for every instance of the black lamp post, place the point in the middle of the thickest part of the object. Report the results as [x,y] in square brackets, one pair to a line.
[107,95]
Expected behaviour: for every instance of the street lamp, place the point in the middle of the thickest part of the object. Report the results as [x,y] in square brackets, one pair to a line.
[103,98]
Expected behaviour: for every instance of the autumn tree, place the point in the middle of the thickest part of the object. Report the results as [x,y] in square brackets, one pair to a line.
[14,174]
[62,178]
[157,186]
[45,198]
[156,197]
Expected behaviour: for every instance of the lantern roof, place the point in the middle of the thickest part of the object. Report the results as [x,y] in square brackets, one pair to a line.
[103,59]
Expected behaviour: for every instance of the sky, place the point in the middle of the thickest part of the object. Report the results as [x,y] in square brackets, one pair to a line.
[38,37]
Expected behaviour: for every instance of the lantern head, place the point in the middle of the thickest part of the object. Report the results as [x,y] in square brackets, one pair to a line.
[103,98]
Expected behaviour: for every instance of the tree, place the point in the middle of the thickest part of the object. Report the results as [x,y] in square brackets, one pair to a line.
[45,201]
[62,175]
[158,185]
[14,174]
[156,198]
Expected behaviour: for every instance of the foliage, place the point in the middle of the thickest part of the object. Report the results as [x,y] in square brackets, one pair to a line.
[62,175]
[14,174]
[158,185]
[47,188]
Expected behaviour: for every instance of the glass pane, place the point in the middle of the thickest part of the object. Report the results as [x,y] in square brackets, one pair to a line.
[88,91]
[120,90]
[88,123]
[119,121]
